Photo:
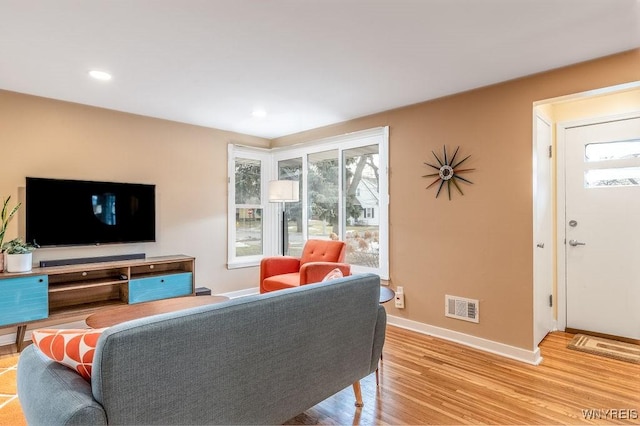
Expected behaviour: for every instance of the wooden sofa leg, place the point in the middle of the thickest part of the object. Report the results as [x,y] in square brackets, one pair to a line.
[358,393]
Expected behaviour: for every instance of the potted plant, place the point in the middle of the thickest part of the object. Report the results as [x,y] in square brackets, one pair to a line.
[5,218]
[19,255]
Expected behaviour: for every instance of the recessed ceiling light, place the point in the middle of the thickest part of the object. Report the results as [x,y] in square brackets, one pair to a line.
[100,75]
[259,113]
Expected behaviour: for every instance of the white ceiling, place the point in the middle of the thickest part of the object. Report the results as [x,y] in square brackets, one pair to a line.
[308,63]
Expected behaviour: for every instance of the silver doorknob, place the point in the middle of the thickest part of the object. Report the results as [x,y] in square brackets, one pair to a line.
[574,243]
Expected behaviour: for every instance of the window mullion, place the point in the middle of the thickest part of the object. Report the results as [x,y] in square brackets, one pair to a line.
[305,199]
[342,210]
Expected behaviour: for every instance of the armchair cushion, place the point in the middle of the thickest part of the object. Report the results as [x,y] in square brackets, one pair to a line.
[280,282]
[319,257]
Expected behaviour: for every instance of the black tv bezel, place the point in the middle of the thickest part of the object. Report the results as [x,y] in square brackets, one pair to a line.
[29,237]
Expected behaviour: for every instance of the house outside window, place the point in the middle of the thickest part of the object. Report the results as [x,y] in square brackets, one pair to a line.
[369,213]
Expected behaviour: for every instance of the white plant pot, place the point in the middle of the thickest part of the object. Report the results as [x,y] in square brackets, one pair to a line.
[18,262]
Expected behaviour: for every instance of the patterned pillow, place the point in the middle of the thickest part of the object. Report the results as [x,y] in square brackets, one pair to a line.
[333,275]
[73,348]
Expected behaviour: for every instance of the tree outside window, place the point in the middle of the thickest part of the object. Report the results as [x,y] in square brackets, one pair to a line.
[362,200]
[248,241]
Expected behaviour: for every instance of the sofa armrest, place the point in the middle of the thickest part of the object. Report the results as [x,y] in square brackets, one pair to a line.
[51,393]
[378,338]
[314,272]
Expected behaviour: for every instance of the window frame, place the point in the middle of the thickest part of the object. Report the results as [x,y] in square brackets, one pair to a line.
[376,136]
[269,170]
[257,154]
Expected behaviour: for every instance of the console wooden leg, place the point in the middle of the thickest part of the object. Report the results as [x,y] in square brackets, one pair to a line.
[358,393]
[22,329]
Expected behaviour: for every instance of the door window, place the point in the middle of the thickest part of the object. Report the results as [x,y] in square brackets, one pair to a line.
[620,159]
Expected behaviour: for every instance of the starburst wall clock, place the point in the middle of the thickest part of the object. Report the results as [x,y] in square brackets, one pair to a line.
[448,172]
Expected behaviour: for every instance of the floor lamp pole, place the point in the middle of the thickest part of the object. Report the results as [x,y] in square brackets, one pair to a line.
[284,191]
[284,228]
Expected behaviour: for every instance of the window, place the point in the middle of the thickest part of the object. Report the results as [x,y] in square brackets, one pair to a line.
[612,164]
[248,217]
[625,176]
[246,208]
[362,196]
[620,150]
[343,195]
[322,195]
[291,169]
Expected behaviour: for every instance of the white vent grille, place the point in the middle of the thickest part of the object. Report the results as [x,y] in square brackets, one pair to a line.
[461,308]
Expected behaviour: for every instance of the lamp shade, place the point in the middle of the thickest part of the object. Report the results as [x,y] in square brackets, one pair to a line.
[284,191]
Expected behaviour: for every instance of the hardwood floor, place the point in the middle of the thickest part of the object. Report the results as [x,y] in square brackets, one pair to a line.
[425,380]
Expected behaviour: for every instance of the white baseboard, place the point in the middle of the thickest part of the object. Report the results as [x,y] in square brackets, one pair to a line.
[519,354]
[241,293]
[8,339]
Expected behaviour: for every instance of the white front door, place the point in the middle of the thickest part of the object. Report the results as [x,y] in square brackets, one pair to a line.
[542,232]
[602,227]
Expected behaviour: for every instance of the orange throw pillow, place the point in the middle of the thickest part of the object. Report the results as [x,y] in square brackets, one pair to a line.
[333,275]
[73,348]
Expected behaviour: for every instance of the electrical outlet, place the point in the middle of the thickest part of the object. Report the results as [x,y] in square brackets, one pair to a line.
[399,299]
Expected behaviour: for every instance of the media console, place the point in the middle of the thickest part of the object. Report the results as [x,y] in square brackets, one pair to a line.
[71,290]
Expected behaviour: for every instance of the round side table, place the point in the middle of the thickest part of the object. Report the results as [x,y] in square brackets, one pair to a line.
[386,294]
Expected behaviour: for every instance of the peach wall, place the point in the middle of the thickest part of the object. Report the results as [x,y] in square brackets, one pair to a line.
[478,245]
[188,164]
[608,104]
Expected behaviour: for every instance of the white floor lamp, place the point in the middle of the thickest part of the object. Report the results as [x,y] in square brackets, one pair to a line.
[284,191]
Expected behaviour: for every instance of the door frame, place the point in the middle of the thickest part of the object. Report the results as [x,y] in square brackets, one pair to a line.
[538,310]
[561,219]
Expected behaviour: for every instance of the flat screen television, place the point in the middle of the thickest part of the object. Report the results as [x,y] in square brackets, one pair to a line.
[61,212]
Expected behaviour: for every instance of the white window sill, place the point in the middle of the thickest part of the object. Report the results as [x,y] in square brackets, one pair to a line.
[243,264]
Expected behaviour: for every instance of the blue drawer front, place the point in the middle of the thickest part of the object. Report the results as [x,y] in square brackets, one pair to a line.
[24,299]
[160,287]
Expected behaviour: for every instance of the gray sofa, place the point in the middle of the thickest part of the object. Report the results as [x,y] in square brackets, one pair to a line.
[259,359]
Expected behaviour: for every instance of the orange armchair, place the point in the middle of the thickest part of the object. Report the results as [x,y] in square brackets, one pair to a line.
[319,257]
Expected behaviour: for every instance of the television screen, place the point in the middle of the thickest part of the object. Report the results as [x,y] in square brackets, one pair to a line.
[72,212]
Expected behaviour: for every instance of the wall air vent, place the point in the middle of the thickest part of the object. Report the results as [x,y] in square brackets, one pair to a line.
[461,308]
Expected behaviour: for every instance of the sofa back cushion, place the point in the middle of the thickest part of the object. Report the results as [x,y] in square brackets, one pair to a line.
[255,360]
[323,251]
